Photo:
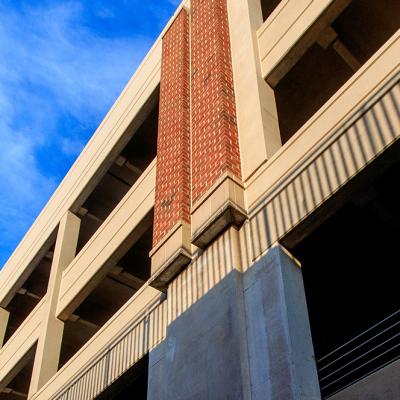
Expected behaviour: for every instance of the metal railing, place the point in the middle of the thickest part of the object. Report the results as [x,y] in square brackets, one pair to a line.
[371,350]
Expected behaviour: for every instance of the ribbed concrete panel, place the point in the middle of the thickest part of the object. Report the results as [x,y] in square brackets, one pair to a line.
[129,348]
[374,127]
[131,333]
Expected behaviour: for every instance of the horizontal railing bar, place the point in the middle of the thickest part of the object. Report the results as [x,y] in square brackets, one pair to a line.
[365,375]
[361,356]
[363,365]
[357,347]
[358,336]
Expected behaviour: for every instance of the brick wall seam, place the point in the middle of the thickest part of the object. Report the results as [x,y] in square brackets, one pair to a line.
[172,202]
[215,142]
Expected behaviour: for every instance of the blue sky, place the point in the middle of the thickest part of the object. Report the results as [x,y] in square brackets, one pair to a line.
[62,65]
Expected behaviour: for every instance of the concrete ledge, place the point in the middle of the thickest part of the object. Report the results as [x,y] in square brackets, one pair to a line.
[143,315]
[223,205]
[117,233]
[13,353]
[170,256]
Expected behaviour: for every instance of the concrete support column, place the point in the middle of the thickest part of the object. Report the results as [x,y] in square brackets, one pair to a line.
[257,116]
[49,343]
[204,354]
[281,356]
[4,315]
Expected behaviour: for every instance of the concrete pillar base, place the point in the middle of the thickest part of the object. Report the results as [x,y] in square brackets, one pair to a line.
[246,336]
[281,356]
[202,356]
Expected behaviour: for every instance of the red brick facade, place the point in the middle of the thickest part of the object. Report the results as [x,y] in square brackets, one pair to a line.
[215,146]
[209,147]
[172,203]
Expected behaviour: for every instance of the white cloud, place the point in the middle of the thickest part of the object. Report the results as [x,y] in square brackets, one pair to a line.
[72,146]
[23,187]
[51,49]
[51,66]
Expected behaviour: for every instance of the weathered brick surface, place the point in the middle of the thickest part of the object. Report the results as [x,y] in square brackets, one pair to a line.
[215,146]
[172,203]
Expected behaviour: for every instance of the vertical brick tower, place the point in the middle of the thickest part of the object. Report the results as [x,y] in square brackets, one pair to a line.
[171,234]
[215,138]
[217,192]
[199,190]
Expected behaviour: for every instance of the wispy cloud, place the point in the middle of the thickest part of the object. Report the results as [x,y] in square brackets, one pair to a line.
[57,79]
[53,51]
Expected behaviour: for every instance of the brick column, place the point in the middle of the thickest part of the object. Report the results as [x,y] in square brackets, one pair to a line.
[217,191]
[171,233]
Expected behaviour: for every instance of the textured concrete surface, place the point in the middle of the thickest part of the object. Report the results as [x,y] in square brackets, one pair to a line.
[203,352]
[281,354]
[227,346]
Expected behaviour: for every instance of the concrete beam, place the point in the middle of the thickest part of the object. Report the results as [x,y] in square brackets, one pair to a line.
[125,278]
[49,343]
[15,393]
[77,319]
[330,37]
[346,55]
[25,292]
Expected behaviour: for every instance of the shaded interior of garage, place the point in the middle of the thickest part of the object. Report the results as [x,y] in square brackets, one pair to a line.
[350,267]
[333,56]
[125,170]
[268,6]
[131,385]
[18,387]
[121,281]
[31,291]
